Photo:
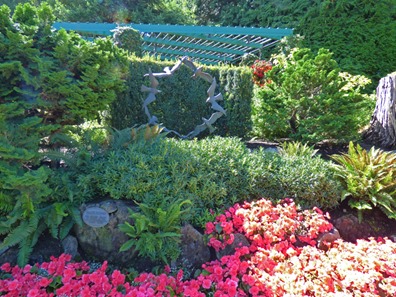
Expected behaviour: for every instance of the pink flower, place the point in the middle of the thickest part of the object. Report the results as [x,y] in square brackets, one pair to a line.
[117,278]
[34,293]
[254,291]
[207,283]
[6,267]
[44,282]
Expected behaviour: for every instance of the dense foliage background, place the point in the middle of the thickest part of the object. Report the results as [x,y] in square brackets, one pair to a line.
[53,81]
[361,34]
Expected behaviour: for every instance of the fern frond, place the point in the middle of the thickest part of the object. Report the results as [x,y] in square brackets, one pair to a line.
[17,235]
[76,215]
[65,227]
[37,233]
[25,250]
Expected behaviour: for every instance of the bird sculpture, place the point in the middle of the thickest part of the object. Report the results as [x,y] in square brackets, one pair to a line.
[153,120]
[212,99]
[152,90]
[197,71]
[167,71]
[207,124]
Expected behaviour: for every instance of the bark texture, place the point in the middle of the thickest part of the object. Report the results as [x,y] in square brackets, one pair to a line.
[382,130]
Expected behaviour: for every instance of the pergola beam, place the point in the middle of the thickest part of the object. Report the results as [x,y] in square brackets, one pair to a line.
[208,44]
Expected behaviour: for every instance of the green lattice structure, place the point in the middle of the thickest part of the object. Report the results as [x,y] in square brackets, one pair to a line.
[204,44]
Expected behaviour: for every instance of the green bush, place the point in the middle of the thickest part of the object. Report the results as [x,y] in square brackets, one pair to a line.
[296,149]
[181,104]
[368,179]
[310,100]
[129,39]
[212,173]
[48,80]
[308,179]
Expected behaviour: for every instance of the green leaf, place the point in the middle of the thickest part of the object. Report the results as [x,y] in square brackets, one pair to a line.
[128,245]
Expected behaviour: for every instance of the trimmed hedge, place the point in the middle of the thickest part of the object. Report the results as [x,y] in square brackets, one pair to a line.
[181,103]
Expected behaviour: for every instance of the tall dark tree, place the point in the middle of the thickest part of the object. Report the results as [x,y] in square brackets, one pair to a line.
[360,33]
[253,13]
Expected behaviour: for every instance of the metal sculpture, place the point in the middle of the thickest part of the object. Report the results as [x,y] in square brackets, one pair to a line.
[197,73]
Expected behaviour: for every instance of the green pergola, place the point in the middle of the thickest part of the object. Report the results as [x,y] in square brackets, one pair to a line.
[204,44]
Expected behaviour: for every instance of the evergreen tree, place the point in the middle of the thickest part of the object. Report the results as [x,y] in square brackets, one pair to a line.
[361,34]
[48,80]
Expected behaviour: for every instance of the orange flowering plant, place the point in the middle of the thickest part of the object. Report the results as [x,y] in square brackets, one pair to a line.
[260,68]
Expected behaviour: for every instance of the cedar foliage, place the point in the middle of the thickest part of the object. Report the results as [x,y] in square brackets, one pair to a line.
[361,34]
[309,99]
[48,80]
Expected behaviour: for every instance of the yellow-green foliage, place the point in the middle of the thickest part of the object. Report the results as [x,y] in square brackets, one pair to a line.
[181,104]
[368,178]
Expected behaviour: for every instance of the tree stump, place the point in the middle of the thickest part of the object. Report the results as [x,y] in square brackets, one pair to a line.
[382,130]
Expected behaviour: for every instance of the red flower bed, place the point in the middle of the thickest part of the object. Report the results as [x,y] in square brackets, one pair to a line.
[272,265]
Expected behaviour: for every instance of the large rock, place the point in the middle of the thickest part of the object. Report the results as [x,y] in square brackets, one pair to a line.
[327,238]
[194,251]
[239,241]
[103,243]
[350,229]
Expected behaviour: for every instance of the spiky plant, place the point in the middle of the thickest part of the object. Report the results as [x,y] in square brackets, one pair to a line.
[296,148]
[368,178]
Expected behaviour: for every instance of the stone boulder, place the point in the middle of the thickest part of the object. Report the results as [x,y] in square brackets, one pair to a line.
[327,238]
[194,251]
[239,241]
[100,237]
[350,229]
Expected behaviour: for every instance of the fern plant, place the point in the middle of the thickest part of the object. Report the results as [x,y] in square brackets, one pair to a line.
[368,178]
[156,230]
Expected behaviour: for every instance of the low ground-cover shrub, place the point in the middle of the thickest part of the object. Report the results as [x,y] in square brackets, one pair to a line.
[297,173]
[212,173]
[271,266]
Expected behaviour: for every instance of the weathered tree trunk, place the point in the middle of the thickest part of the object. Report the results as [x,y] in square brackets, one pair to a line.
[382,130]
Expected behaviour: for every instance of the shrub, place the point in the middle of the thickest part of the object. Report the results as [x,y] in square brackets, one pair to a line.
[310,100]
[48,81]
[351,30]
[296,149]
[128,39]
[212,173]
[308,179]
[368,179]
